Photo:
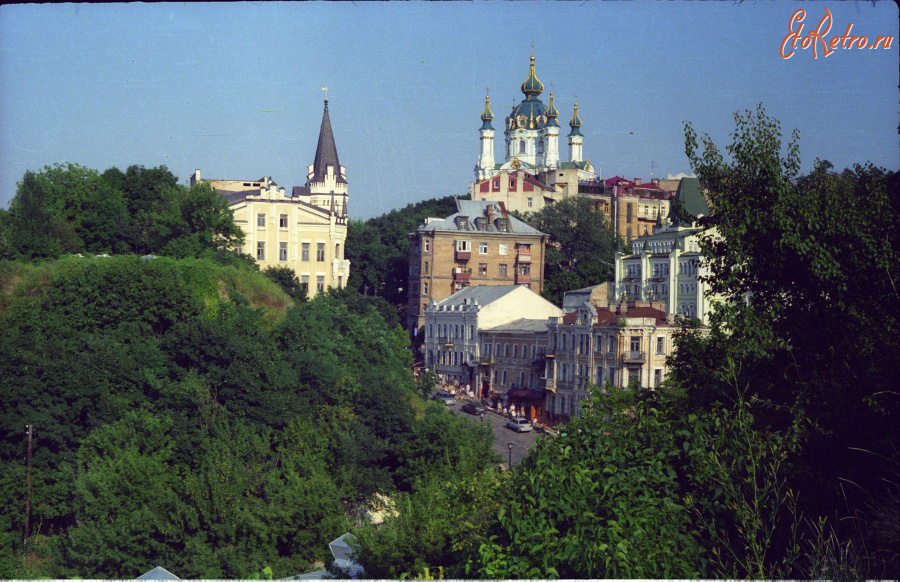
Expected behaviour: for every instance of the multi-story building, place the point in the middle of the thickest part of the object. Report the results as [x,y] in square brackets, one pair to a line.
[517,189]
[512,365]
[481,244]
[305,230]
[632,208]
[619,344]
[453,334]
[666,266]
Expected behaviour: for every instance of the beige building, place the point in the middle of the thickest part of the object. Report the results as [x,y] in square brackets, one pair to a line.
[593,345]
[304,230]
[481,244]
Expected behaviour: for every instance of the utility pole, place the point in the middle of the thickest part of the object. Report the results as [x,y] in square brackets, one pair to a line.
[28,498]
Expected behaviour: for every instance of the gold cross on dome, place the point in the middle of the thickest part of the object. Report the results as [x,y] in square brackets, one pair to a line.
[325,88]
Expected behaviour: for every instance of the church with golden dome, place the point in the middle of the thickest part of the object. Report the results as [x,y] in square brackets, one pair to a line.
[531,133]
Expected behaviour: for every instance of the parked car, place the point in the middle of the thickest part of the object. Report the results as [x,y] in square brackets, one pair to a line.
[444,397]
[519,424]
[473,408]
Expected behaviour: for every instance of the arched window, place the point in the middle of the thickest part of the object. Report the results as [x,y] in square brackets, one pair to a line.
[516,350]
[506,350]
[522,146]
[540,147]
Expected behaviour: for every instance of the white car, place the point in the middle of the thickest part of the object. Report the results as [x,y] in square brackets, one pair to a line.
[519,424]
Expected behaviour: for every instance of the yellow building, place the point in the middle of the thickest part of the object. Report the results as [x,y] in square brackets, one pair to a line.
[305,230]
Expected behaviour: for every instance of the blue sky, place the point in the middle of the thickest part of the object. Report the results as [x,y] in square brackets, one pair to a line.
[234,89]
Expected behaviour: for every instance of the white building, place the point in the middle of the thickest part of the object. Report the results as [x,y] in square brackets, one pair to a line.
[452,326]
[666,266]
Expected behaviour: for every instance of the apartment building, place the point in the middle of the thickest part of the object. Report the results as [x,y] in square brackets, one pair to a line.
[481,244]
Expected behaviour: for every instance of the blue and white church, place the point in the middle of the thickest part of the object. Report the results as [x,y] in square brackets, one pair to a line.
[532,132]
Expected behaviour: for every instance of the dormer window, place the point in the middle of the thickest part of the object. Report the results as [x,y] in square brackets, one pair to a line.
[462,222]
[496,184]
[512,183]
[503,224]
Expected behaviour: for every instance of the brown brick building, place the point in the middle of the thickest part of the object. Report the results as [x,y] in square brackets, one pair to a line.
[481,244]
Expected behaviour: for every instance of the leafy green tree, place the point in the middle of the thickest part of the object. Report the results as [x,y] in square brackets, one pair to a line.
[287,279]
[580,250]
[379,248]
[807,266]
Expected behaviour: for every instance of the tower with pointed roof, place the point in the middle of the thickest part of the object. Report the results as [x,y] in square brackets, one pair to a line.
[484,168]
[575,138]
[325,180]
[304,229]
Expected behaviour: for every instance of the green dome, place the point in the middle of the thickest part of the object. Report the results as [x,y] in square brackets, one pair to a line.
[486,115]
[530,113]
[552,113]
[575,123]
[532,86]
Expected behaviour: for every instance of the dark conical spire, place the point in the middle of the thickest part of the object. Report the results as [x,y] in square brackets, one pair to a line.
[326,153]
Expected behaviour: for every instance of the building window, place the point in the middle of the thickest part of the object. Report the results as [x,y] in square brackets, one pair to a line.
[661,345]
[426,245]
[282,251]
[524,269]
[504,378]
[260,251]
[482,268]
[512,183]
[482,248]
[505,350]
[522,146]
[320,252]
[529,201]
[425,288]
[516,350]
[282,221]
[304,252]
[304,282]
[261,220]
[504,248]
[635,343]
[425,268]
[239,250]
[320,284]
[657,378]
[502,270]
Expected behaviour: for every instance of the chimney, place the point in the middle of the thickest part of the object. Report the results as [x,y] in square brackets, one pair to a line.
[637,181]
[490,213]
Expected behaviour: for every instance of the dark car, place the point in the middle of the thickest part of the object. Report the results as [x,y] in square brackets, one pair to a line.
[473,408]
[444,397]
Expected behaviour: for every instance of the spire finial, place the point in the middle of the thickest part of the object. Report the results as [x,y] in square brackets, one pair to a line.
[325,88]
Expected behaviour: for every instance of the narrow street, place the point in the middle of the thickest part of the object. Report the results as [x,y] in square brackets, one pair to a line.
[503,437]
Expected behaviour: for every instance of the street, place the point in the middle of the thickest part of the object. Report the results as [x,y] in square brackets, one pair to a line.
[521,441]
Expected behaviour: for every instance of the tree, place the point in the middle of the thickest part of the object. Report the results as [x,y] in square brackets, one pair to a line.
[580,250]
[287,279]
[808,270]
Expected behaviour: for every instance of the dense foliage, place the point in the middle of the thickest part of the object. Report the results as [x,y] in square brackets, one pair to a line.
[72,209]
[770,453]
[378,248]
[580,250]
[190,415]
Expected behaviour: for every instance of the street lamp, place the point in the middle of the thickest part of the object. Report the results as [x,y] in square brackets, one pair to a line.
[509,446]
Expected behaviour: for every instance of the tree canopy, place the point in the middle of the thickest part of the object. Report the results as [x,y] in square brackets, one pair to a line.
[67,208]
[581,246]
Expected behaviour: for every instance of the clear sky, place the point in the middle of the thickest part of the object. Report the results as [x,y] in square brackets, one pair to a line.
[235,89]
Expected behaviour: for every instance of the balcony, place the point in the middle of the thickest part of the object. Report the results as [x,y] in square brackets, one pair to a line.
[461,275]
[632,357]
[463,255]
[486,360]
[445,340]
[548,384]
[523,255]
[520,278]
